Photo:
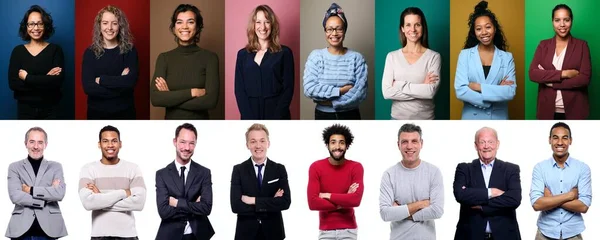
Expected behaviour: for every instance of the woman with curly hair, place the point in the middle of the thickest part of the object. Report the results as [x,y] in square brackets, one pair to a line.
[485,74]
[264,71]
[35,69]
[110,67]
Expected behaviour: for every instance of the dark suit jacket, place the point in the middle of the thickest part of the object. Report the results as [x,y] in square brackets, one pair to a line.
[574,90]
[267,208]
[470,190]
[198,183]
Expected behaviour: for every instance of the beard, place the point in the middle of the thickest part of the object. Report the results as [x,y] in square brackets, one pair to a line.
[340,158]
[181,156]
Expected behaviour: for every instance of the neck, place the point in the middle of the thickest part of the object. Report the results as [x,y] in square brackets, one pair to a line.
[187,43]
[334,162]
[339,50]
[413,47]
[30,157]
[562,39]
[107,161]
[183,162]
[488,48]
[39,42]
[413,164]
[560,160]
[486,162]
[264,44]
[110,44]
[259,160]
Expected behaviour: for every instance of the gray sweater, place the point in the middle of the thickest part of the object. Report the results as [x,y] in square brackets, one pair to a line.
[406,186]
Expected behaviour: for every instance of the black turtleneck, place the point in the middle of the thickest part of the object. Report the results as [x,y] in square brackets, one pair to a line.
[35,163]
[35,229]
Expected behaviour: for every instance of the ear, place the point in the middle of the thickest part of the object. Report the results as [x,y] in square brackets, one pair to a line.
[99,145]
[175,142]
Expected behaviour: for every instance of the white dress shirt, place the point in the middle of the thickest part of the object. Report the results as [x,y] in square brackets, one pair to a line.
[188,229]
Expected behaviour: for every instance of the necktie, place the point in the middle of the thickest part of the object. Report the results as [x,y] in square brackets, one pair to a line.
[182,176]
[260,177]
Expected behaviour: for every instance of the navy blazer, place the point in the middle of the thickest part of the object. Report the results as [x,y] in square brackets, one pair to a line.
[264,91]
[198,183]
[470,190]
[267,208]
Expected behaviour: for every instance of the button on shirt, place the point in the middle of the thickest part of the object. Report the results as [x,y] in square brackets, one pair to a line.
[561,222]
[487,173]
[188,229]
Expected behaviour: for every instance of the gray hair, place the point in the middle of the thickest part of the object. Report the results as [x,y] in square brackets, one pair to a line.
[484,129]
[409,127]
[39,129]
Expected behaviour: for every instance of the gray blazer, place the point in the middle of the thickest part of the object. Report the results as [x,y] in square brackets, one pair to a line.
[44,202]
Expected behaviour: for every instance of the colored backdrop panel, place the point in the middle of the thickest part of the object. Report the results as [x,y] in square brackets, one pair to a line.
[238,12]
[212,38]
[387,39]
[12,13]
[539,27]
[359,37]
[511,15]
[136,12]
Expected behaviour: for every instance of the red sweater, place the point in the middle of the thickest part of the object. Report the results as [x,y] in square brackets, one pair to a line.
[338,211]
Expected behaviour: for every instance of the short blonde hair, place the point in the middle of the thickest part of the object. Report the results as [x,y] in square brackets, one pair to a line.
[257,127]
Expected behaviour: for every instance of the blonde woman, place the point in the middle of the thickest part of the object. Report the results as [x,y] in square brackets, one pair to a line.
[110,67]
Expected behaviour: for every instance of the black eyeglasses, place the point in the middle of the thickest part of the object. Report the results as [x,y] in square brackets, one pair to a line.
[330,30]
[38,24]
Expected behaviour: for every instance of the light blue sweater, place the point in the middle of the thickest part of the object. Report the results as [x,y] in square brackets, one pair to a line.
[325,74]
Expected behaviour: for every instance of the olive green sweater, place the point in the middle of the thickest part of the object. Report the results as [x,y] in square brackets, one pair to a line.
[184,68]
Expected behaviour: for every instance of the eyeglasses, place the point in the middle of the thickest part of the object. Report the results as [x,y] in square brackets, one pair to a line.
[38,24]
[330,30]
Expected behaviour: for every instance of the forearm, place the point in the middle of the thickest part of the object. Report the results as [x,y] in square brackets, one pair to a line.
[272,204]
[391,213]
[44,81]
[51,194]
[551,202]
[202,208]
[346,200]
[575,206]
[135,202]
[97,201]
[170,98]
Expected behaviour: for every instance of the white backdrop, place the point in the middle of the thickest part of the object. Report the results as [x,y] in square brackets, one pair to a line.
[296,144]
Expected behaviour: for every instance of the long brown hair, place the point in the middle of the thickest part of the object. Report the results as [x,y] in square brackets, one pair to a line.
[253,45]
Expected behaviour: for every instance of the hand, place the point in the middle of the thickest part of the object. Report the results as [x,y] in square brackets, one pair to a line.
[173,202]
[98,80]
[345,89]
[161,84]
[125,72]
[325,195]
[248,200]
[56,182]
[574,193]
[506,82]
[475,86]
[476,208]
[22,74]
[547,192]
[128,192]
[424,203]
[395,204]
[353,188]
[198,92]
[93,187]
[279,193]
[431,78]
[496,192]
[54,71]
[540,67]
[324,103]
[571,73]
[549,85]
[25,188]
[198,200]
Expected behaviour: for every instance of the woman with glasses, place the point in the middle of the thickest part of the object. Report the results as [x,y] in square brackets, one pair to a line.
[411,74]
[110,67]
[264,70]
[335,77]
[186,79]
[562,69]
[35,71]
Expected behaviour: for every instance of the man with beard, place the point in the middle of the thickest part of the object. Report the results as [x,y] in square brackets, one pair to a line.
[184,192]
[35,186]
[259,191]
[412,191]
[112,189]
[489,192]
[561,189]
[335,186]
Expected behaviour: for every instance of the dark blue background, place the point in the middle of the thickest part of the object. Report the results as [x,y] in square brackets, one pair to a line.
[63,14]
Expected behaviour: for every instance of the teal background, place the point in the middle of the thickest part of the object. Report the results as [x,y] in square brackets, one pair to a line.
[387,39]
[538,26]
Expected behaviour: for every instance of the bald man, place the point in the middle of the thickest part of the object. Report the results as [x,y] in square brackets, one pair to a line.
[489,192]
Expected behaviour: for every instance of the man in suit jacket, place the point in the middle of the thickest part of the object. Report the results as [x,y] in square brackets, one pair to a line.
[35,185]
[184,201]
[489,192]
[259,191]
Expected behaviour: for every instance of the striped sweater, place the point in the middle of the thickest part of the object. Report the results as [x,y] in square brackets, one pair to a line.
[325,74]
[111,208]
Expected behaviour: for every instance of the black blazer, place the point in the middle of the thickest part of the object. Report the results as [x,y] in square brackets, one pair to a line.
[267,208]
[470,190]
[198,183]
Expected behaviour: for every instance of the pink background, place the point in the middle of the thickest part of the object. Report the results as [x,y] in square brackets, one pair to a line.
[237,13]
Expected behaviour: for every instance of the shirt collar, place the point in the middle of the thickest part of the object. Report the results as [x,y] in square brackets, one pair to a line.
[178,165]
[489,165]
[567,163]
[254,162]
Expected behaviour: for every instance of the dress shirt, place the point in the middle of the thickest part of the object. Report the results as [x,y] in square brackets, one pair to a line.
[188,229]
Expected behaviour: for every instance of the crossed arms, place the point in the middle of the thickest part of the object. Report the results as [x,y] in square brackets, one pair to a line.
[322,201]
[119,200]
[577,200]
[35,196]
[247,205]
[172,208]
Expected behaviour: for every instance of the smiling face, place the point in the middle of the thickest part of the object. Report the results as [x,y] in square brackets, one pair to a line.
[337,147]
[412,28]
[258,143]
[334,32]
[185,28]
[35,144]
[410,144]
[35,26]
[109,27]
[487,145]
[484,30]
[262,26]
[110,144]
[185,143]
[560,140]
[562,22]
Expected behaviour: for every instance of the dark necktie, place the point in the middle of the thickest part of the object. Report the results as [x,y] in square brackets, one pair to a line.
[182,176]
[260,177]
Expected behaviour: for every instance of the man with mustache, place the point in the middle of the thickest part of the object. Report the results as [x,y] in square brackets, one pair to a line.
[411,206]
[35,186]
[561,189]
[335,186]
[112,189]
[184,192]
[489,192]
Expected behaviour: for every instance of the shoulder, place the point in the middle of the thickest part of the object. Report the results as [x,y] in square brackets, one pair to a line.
[207,53]
[200,167]
[433,54]
[285,49]
[317,53]
[318,164]
[430,167]
[129,165]
[54,47]
[54,164]
[578,41]
[509,165]
[354,164]
[394,54]
[355,55]
[546,42]
[242,52]
[19,50]
[15,164]
[505,54]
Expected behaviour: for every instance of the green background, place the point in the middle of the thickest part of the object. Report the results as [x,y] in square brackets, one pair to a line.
[387,39]
[538,26]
